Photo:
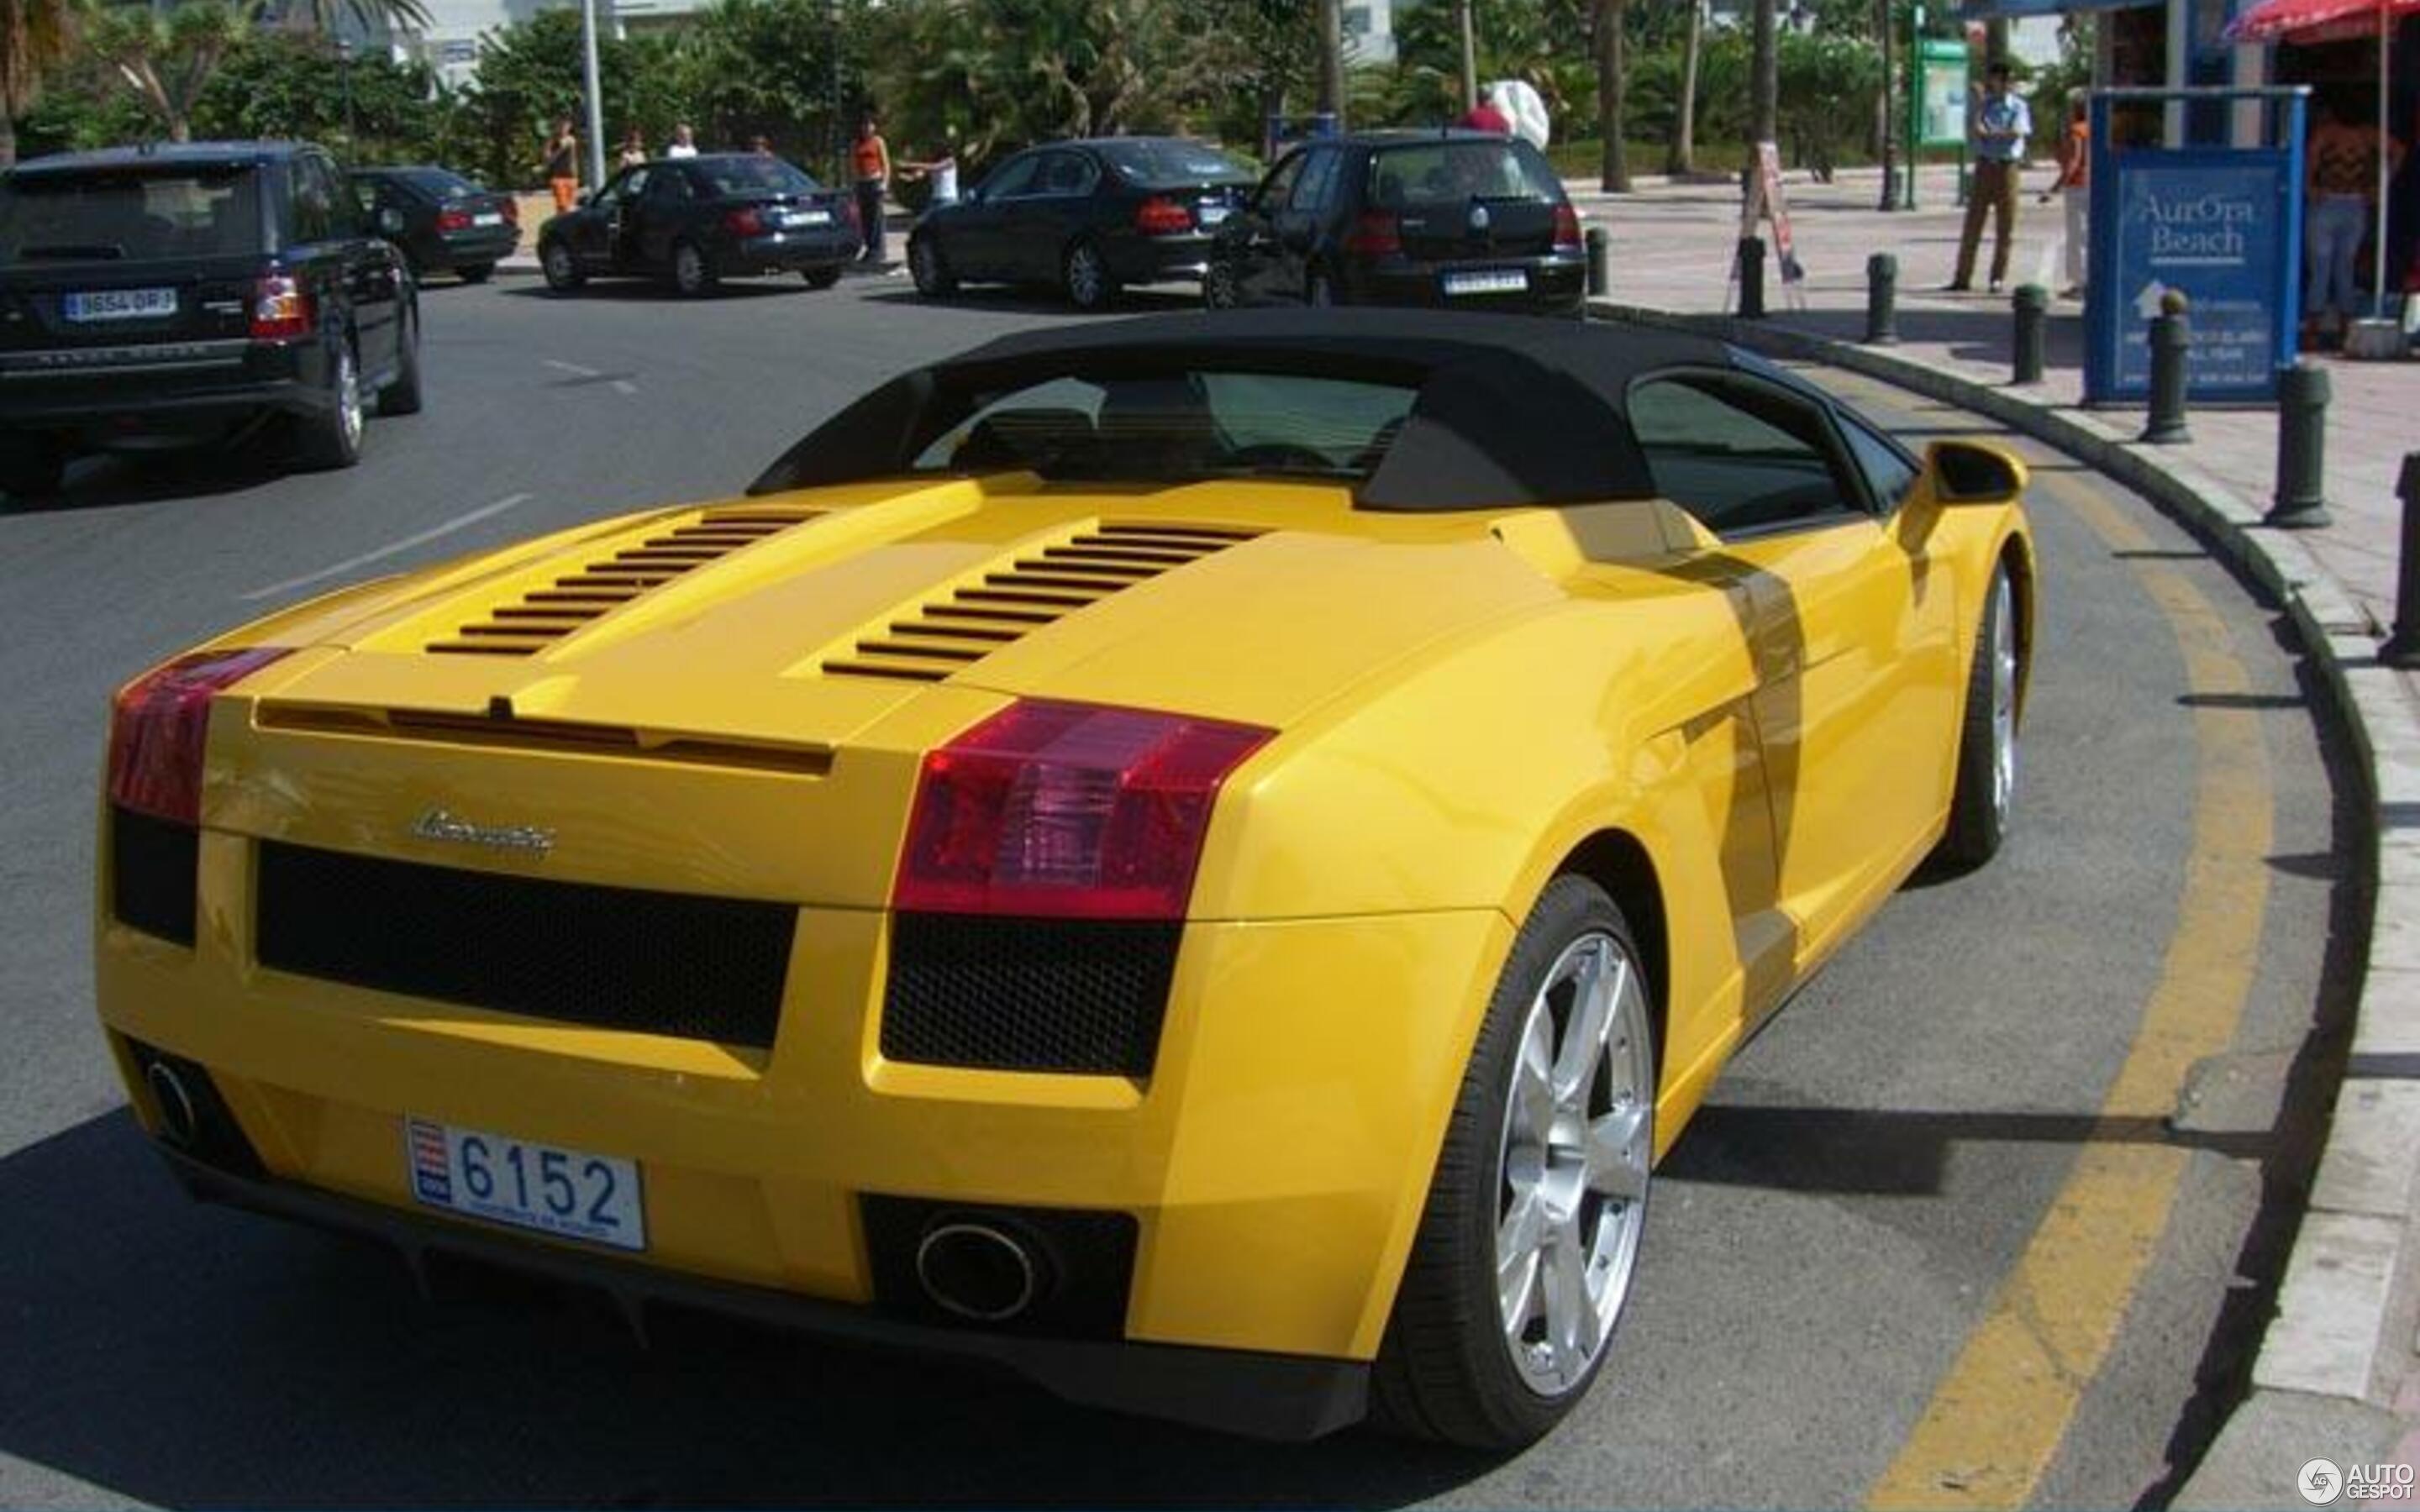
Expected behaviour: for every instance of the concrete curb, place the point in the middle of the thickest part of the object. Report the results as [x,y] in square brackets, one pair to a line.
[2326,1379]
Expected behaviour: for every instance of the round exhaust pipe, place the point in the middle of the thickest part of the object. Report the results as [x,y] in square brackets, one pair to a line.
[178,1123]
[977,1271]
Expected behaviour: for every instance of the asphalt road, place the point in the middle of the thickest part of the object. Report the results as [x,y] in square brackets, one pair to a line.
[1882,1184]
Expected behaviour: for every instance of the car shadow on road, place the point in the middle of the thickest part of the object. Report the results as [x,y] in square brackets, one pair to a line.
[181,1354]
[1006,298]
[656,291]
[119,479]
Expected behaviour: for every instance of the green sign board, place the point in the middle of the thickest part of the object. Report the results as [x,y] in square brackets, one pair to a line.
[1940,93]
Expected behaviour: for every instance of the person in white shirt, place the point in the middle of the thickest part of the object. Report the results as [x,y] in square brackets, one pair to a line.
[943,171]
[684,143]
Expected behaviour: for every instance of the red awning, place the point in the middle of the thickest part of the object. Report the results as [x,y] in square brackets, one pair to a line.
[2314,21]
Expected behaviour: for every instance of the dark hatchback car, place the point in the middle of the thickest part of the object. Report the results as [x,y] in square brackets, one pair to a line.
[177,295]
[444,222]
[1084,217]
[1459,220]
[698,220]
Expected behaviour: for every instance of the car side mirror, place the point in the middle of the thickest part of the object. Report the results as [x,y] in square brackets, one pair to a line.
[1974,472]
[585,197]
[389,221]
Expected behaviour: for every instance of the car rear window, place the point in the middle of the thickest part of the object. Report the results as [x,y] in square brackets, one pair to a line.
[1452,172]
[1178,425]
[439,184]
[1150,164]
[752,176]
[130,216]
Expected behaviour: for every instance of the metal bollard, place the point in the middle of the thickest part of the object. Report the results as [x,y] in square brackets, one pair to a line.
[2031,305]
[2171,339]
[1882,300]
[1751,278]
[1600,261]
[2301,500]
[2402,648]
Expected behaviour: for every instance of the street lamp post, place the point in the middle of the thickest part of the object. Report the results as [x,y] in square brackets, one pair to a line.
[595,95]
[345,77]
[1889,117]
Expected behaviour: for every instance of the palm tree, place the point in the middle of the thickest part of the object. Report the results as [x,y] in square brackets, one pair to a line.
[33,37]
[321,16]
[167,58]
[1681,156]
[1612,100]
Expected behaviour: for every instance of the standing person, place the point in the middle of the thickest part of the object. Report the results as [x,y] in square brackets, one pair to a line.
[1999,131]
[870,161]
[1487,115]
[2074,188]
[684,142]
[634,149]
[2340,183]
[561,166]
[943,171]
[760,145]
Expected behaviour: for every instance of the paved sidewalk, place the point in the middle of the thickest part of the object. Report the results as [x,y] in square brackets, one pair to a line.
[2336,1377]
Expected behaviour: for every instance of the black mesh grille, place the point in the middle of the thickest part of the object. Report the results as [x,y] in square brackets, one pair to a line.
[151,867]
[659,963]
[1085,1264]
[1028,993]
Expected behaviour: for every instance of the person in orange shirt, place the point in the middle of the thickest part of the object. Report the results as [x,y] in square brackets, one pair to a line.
[870,159]
[561,166]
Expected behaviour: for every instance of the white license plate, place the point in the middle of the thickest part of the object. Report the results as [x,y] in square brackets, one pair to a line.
[807,218]
[1211,214]
[488,218]
[567,1192]
[1488,280]
[121,304]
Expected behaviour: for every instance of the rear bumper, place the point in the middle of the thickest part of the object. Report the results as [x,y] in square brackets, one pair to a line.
[789,250]
[470,248]
[1139,259]
[169,388]
[1557,285]
[1264,1395]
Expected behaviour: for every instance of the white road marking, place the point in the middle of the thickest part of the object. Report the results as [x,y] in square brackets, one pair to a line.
[573,368]
[624,386]
[417,538]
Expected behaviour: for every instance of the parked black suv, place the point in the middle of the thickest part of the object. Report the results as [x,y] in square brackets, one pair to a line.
[1455,219]
[700,220]
[173,295]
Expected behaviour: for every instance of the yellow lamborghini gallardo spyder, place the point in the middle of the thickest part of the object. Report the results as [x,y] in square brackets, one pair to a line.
[1203,859]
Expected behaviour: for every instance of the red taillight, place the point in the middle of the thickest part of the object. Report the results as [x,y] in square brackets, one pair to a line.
[453,220]
[1377,234]
[1067,810]
[157,727]
[281,309]
[1567,226]
[1162,216]
[745,223]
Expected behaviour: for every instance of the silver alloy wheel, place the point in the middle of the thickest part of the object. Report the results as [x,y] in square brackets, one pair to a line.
[349,397]
[1579,1133]
[1085,275]
[689,268]
[2004,698]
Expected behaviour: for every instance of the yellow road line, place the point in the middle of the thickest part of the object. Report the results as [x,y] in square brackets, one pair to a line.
[1997,1418]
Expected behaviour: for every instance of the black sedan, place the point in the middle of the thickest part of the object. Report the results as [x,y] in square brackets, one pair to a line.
[697,221]
[1459,220]
[1084,216]
[442,221]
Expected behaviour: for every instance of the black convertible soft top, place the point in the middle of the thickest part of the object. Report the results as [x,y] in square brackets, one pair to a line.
[1510,409]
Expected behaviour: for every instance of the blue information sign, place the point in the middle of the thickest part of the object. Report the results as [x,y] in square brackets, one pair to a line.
[2221,225]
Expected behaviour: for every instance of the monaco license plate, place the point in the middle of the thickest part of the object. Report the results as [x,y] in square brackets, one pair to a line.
[488,218]
[121,304]
[807,218]
[570,1193]
[1488,280]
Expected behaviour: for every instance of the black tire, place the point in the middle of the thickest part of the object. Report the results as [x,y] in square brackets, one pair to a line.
[331,438]
[934,280]
[1220,290]
[563,274]
[1984,803]
[820,277]
[32,466]
[401,395]
[475,272]
[1446,1369]
[1084,278]
[694,271]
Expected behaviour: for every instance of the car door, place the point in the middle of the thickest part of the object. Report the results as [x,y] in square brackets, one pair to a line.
[1042,221]
[1257,257]
[626,217]
[349,268]
[590,229]
[1852,632]
[1304,217]
[662,212]
[973,243]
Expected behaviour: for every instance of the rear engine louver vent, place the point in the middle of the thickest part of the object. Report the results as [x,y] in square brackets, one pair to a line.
[545,615]
[953,633]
